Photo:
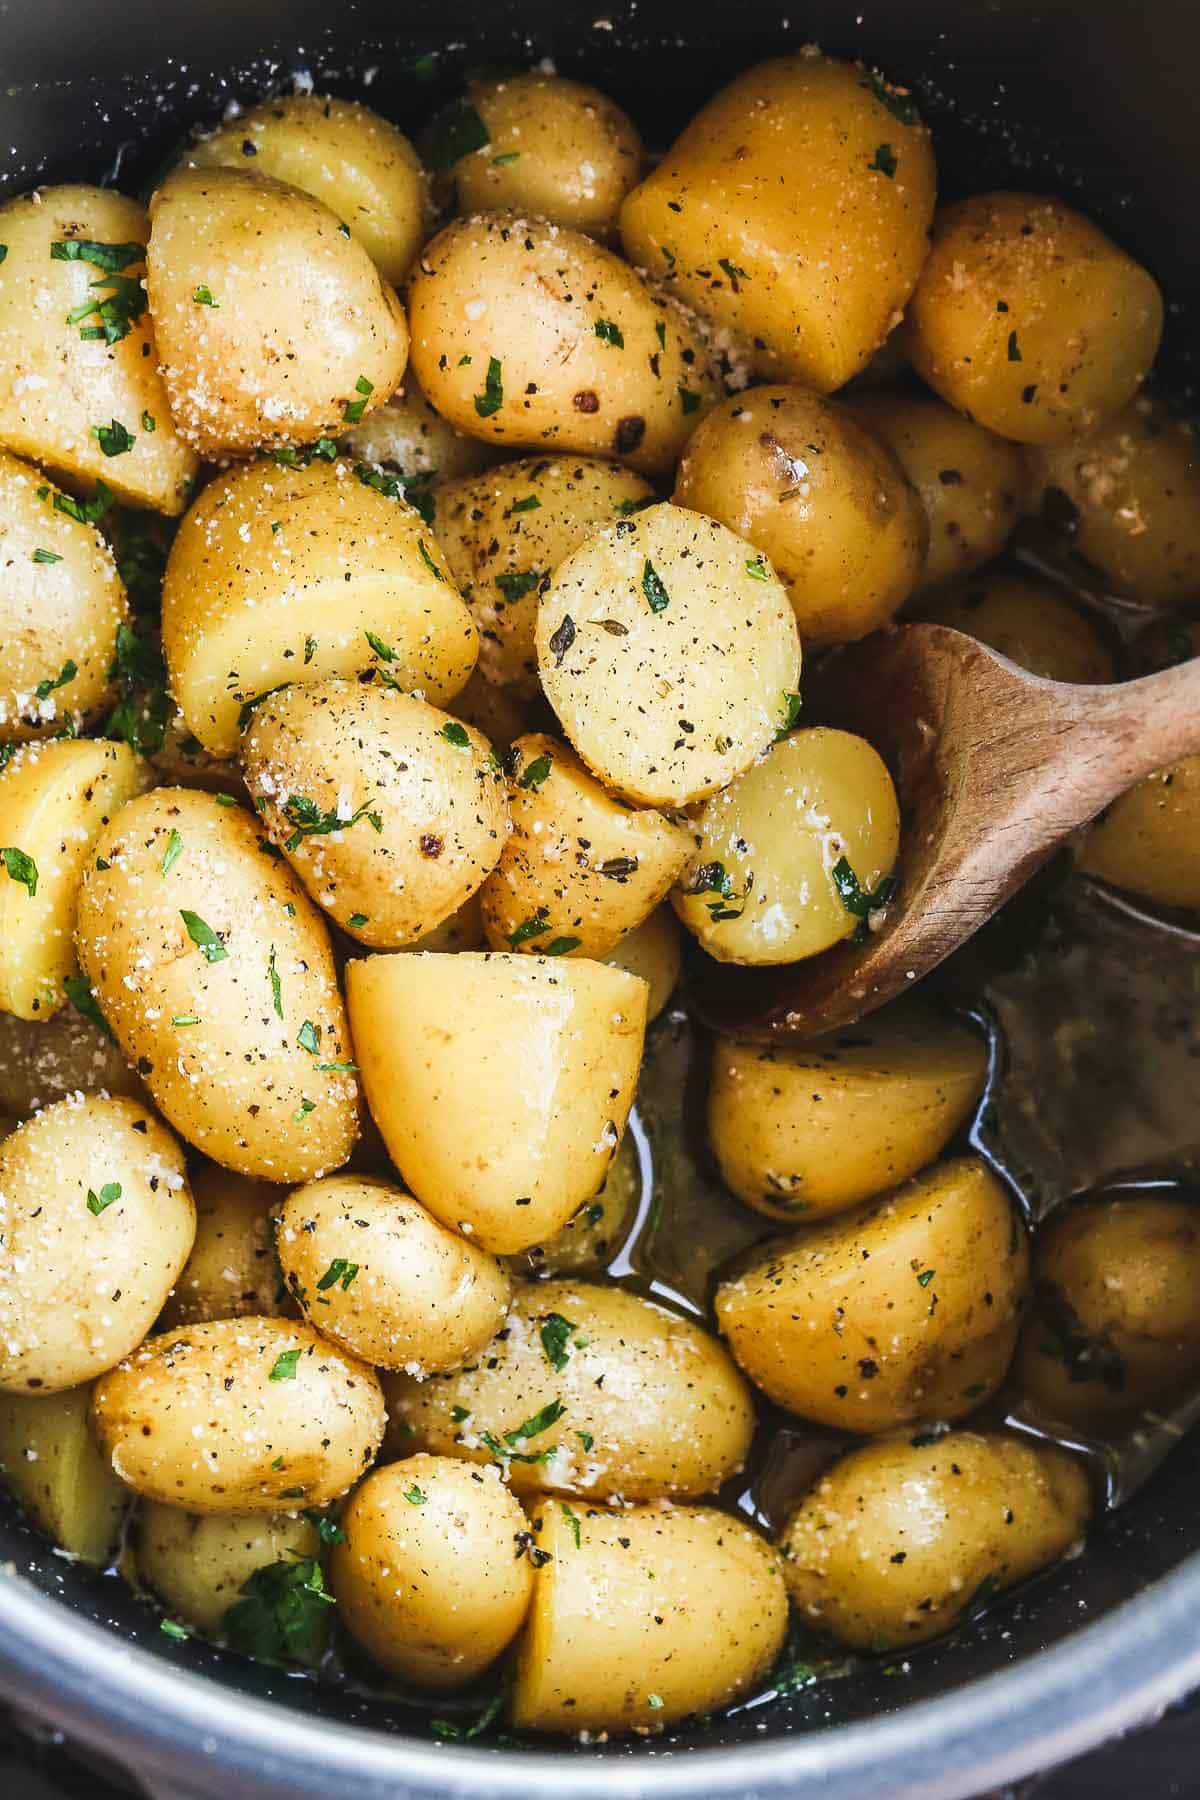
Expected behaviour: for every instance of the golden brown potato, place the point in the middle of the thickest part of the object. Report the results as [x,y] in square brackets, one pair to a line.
[826,500]
[197,1565]
[408,435]
[52,1468]
[902,1310]
[44,1060]
[593,1234]
[653,950]
[232,1272]
[901,1540]
[794,211]
[1029,320]
[1030,621]
[1148,842]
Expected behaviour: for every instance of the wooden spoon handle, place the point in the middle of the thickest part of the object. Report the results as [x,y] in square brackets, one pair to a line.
[1121,734]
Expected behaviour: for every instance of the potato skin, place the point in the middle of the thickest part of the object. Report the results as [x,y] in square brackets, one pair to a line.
[1148,842]
[231,1272]
[592,1235]
[409,435]
[84,1269]
[895,1541]
[653,950]
[643,1616]
[431,1578]
[44,1060]
[197,1564]
[174,1428]
[1030,621]
[903,1310]
[793,211]
[52,1468]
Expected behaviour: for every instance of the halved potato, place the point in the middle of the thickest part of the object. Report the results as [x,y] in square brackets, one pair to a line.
[49,1463]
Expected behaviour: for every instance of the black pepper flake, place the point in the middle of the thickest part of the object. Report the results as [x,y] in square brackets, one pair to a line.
[950,477]
[562,640]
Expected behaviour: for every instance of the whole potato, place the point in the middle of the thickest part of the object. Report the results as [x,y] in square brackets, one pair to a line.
[654,951]
[96,1221]
[535,337]
[802,480]
[44,1060]
[667,648]
[1029,320]
[1030,621]
[1148,842]
[197,1565]
[900,1540]
[239,1415]
[416,802]
[409,435]
[214,970]
[54,1471]
[500,713]
[902,1310]
[231,1272]
[593,1234]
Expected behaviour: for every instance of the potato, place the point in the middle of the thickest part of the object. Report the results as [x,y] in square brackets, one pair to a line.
[642,1616]
[500,713]
[1148,842]
[531,335]
[504,532]
[294,574]
[239,1415]
[1165,642]
[904,1309]
[796,854]
[232,1272]
[434,1575]
[56,799]
[61,604]
[650,1405]
[667,648]
[407,434]
[973,485]
[463,930]
[44,1060]
[96,1221]
[826,500]
[53,1470]
[374,1273]
[83,392]
[501,1083]
[197,1565]
[652,950]
[343,154]
[1029,320]
[214,971]
[592,1236]
[900,1540]
[409,805]
[540,144]
[793,211]
[1030,621]
[811,1129]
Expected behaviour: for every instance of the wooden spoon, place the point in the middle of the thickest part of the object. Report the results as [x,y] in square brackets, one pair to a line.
[994,768]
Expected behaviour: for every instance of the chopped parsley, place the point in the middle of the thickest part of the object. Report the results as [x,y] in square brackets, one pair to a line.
[148,423]
[173,851]
[423,547]
[447,1728]
[81,997]
[530,503]
[307,819]
[182,1019]
[586,1439]
[276,984]
[516,586]
[535,773]
[126,300]
[415,1496]
[353,410]
[688,400]
[534,1426]
[457,131]
[756,568]
[555,1333]
[734,273]
[310,650]
[925,1277]
[561,946]
[66,674]
[655,1702]
[509,156]
[492,397]
[455,734]
[791,714]
[309,1038]
[885,161]
[20,868]
[340,1272]
[203,297]
[897,103]
[856,899]
[3,252]
[656,594]
[608,333]
[97,1203]
[203,936]
[537,926]
[170,1629]
[328,1530]
[356,920]
[302,1111]
[282,1612]
[714,878]
[140,716]
[84,512]
[249,707]
[46,556]
[572,1519]
[113,439]
[284,1366]
[415,489]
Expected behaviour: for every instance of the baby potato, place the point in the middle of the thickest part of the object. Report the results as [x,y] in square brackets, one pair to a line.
[1148,842]
[667,648]
[826,500]
[900,1540]
[501,1084]
[1029,320]
[295,573]
[794,211]
[1031,622]
[407,434]
[794,855]
[581,869]
[540,144]
[433,1577]
[591,1236]
[500,713]
[53,1470]
[232,1272]
[390,811]
[343,154]
[96,1221]
[902,1310]
[972,484]
[61,605]
[56,799]
[83,391]
[197,1565]
[801,1131]
[214,971]
[644,1615]
[239,1415]
[463,930]
[654,951]
[504,532]
[44,1060]
[589,1390]
[376,1274]
[531,335]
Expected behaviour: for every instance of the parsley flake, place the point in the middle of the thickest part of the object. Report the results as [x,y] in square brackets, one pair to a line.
[455,734]
[46,556]
[457,131]
[113,439]
[282,1612]
[173,851]
[555,1333]
[885,161]
[535,773]
[97,1203]
[353,410]
[203,297]
[309,1038]
[20,868]
[340,1272]
[654,589]
[608,333]
[492,397]
[204,937]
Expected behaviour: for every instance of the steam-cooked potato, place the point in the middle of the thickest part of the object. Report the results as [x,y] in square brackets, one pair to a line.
[239,1415]
[197,1565]
[82,390]
[343,154]
[503,1097]
[667,648]
[905,1309]
[1029,320]
[504,532]
[407,434]
[434,1575]
[463,930]
[232,1272]
[273,324]
[1028,620]
[52,1468]
[589,1390]
[214,970]
[825,499]
[501,713]
[44,1060]
[390,811]
[654,951]
[97,1223]
[1148,842]
[796,854]
[642,1616]
[802,1131]
[531,335]
[900,1540]
[793,211]
[592,1235]
[376,1274]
